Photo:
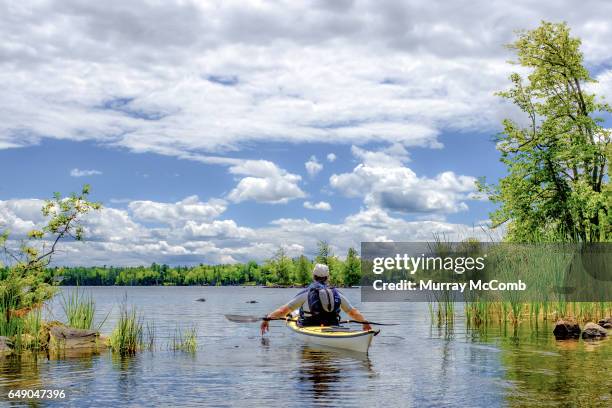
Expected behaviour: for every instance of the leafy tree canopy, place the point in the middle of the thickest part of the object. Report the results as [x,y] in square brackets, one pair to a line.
[557,187]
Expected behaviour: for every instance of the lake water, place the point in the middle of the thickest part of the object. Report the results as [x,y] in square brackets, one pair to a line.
[413,364]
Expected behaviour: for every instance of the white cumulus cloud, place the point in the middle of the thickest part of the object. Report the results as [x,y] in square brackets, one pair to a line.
[265,182]
[321,205]
[116,237]
[313,166]
[384,181]
[190,208]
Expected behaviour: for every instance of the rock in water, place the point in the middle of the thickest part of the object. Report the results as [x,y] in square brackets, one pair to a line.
[200,300]
[566,329]
[606,323]
[61,336]
[593,331]
[5,345]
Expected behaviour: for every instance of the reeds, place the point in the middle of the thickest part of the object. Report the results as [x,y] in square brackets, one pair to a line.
[150,336]
[442,307]
[32,327]
[79,308]
[184,340]
[127,337]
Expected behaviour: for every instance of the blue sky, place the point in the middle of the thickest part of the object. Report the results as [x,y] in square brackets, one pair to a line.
[127,176]
[205,126]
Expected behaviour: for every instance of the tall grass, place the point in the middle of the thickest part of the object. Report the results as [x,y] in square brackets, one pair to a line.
[556,280]
[127,337]
[32,326]
[184,341]
[79,309]
[10,325]
[442,307]
[149,342]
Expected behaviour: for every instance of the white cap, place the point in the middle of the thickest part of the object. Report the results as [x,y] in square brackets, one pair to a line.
[320,271]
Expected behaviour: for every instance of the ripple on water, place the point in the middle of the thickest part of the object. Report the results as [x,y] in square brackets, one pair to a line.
[413,364]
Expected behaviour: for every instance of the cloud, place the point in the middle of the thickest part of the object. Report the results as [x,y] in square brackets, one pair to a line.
[190,208]
[384,181]
[331,157]
[120,236]
[265,183]
[84,173]
[182,77]
[321,205]
[313,166]
[20,216]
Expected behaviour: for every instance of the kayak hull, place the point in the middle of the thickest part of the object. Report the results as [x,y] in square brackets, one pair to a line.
[327,336]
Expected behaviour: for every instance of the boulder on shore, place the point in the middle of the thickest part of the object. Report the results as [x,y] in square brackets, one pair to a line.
[566,329]
[606,323]
[61,336]
[593,331]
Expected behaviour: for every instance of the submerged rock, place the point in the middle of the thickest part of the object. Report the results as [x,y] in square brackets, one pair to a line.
[593,330]
[566,329]
[200,300]
[251,301]
[606,323]
[61,336]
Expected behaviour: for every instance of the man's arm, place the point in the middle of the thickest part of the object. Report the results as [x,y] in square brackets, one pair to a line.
[356,315]
[353,312]
[278,313]
[284,310]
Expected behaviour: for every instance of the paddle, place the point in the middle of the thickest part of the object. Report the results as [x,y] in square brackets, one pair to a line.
[252,319]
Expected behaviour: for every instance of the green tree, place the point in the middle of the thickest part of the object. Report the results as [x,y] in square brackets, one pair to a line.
[555,187]
[27,284]
[281,266]
[303,271]
[352,268]
[324,253]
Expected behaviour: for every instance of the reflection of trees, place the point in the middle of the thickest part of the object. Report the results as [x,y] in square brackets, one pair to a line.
[557,373]
[23,371]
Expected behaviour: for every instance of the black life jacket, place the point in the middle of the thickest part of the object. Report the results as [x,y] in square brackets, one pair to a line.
[324,304]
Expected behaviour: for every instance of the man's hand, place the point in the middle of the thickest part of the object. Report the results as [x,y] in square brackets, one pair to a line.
[281,311]
[356,314]
[265,326]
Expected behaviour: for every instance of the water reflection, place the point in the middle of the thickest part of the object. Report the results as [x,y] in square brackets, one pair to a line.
[324,374]
[414,364]
[129,374]
[19,371]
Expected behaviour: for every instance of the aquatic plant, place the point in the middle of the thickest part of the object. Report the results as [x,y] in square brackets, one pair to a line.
[184,341]
[149,342]
[79,308]
[10,325]
[32,326]
[127,337]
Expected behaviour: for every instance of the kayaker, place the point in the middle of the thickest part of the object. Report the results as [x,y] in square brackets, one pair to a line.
[319,304]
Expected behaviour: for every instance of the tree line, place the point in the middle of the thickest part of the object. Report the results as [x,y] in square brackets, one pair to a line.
[280,270]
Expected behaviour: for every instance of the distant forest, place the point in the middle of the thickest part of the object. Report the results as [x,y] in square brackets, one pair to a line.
[279,270]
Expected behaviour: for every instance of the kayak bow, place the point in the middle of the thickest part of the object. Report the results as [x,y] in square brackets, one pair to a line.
[334,336]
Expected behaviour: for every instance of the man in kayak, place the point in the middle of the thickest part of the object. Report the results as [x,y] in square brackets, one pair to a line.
[319,304]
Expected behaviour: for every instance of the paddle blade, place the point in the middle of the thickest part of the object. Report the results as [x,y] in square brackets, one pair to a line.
[242,319]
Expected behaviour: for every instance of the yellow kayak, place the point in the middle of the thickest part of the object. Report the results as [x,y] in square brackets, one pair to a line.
[334,336]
